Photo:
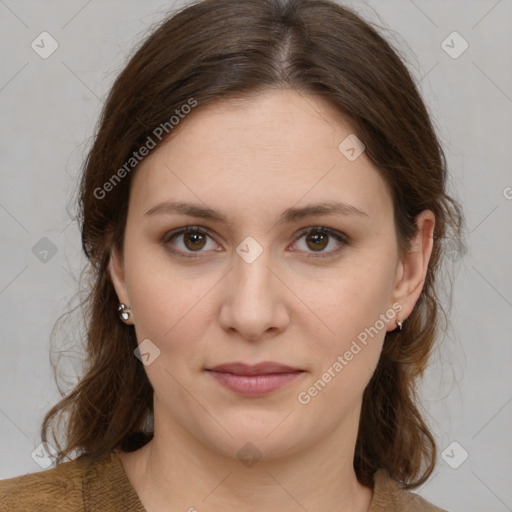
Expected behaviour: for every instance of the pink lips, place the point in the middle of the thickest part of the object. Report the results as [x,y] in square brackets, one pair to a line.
[255,380]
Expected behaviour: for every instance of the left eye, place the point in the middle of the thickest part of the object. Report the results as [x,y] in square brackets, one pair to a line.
[195,239]
[318,238]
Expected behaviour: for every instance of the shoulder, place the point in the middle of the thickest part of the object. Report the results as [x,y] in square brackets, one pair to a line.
[388,495]
[63,487]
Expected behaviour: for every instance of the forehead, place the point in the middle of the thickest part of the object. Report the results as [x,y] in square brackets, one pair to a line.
[259,153]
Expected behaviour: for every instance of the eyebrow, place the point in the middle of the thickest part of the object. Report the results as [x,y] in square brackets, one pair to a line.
[287,217]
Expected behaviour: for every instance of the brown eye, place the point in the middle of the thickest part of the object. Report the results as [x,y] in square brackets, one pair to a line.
[189,242]
[317,241]
[194,241]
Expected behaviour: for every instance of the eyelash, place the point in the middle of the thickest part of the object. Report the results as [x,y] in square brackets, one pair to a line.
[340,237]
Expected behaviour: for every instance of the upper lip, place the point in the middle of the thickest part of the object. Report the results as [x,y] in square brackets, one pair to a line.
[265,367]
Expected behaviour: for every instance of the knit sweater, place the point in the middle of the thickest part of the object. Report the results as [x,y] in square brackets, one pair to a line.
[79,485]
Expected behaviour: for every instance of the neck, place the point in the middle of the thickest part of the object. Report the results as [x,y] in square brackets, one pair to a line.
[179,473]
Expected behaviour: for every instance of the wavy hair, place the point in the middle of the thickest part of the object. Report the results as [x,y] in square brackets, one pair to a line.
[215,49]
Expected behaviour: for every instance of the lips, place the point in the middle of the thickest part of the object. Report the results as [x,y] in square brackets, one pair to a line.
[263,368]
[254,380]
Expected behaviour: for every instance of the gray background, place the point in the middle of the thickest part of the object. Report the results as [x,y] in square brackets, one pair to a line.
[48,111]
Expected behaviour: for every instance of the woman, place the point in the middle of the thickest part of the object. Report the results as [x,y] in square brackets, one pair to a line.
[264,211]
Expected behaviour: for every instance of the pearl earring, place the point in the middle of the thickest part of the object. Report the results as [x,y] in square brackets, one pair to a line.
[124,312]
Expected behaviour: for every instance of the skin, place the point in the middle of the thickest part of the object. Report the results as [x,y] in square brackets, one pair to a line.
[251,159]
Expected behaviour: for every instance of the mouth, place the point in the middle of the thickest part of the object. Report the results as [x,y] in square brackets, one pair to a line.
[254,380]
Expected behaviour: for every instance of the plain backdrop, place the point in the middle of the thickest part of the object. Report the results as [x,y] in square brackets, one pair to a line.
[48,110]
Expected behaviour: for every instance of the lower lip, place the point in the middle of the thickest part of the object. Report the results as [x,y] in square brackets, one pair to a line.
[254,385]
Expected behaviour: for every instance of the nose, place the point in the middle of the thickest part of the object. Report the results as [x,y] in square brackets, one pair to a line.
[254,300]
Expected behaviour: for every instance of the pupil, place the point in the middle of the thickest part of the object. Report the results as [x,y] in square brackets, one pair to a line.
[195,238]
[318,237]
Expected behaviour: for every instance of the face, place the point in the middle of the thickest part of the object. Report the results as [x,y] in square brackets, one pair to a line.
[260,276]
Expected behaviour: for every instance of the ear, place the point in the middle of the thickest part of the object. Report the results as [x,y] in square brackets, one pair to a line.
[412,267]
[116,272]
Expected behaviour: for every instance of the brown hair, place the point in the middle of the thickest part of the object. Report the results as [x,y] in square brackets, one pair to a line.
[217,49]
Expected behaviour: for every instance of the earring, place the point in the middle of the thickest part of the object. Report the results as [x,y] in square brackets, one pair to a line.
[124,312]
[399,323]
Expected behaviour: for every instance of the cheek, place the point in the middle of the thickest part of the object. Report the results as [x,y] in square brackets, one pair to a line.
[355,310]
[353,300]
[170,312]
[168,303]
[346,355]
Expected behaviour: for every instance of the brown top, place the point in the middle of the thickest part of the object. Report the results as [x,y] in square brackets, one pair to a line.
[79,486]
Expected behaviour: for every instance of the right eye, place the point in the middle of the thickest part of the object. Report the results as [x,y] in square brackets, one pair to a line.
[192,239]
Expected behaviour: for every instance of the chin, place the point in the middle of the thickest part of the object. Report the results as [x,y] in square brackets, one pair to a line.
[258,439]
